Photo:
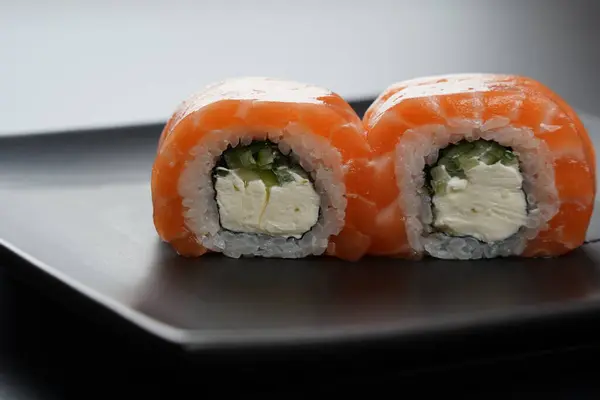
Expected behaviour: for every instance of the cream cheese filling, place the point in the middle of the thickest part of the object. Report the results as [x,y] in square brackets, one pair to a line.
[288,210]
[489,204]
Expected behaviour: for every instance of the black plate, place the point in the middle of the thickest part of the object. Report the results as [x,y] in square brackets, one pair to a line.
[77,206]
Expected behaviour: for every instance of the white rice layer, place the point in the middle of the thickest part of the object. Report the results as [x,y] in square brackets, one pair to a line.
[420,146]
[312,152]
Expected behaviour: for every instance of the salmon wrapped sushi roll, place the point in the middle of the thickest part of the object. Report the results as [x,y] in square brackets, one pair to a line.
[258,167]
[483,166]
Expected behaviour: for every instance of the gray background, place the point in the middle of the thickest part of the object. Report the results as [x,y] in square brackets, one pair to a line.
[67,64]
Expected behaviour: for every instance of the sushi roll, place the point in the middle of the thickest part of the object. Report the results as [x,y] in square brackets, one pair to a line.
[471,166]
[259,167]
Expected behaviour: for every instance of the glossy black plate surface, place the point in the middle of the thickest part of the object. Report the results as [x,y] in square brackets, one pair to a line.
[77,206]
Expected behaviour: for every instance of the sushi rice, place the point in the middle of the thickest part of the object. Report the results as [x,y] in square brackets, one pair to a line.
[313,153]
[421,146]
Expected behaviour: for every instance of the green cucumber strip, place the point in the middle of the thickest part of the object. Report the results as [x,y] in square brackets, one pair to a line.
[255,147]
[476,152]
[269,178]
[457,149]
[439,179]
[455,159]
[439,187]
[465,155]
[261,160]
[509,158]
[466,162]
[265,158]
[493,154]
[439,174]
[232,159]
[246,158]
[480,145]
[453,168]
[489,158]
[247,175]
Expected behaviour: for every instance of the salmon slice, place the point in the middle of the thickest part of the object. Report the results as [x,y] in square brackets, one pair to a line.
[262,108]
[429,113]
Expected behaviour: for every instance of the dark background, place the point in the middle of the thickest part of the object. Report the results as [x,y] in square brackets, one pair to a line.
[55,344]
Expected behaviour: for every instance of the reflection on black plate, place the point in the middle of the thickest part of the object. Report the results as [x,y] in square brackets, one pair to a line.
[77,205]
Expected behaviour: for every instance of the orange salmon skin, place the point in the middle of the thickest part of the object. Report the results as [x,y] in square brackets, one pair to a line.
[481,101]
[266,106]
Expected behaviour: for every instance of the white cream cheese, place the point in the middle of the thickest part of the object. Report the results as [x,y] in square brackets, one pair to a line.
[488,205]
[289,210]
